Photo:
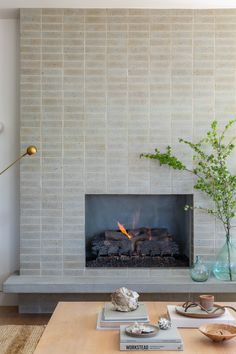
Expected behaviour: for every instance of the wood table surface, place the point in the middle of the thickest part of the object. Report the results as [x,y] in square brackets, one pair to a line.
[72,330]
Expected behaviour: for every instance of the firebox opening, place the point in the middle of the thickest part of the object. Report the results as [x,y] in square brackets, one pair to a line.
[138,230]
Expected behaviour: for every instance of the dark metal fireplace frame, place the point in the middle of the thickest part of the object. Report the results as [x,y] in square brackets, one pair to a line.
[162,211]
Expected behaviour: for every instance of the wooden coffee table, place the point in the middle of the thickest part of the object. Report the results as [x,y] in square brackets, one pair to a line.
[72,330]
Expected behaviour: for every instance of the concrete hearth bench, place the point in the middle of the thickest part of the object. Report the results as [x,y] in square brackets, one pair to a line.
[83,284]
[40,294]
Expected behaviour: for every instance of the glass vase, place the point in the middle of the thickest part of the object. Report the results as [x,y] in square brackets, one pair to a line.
[224,267]
[199,271]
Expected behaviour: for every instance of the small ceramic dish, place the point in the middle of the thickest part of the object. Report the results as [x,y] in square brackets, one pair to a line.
[218,332]
[196,312]
[151,331]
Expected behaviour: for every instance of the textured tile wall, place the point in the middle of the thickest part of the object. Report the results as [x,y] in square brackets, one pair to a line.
[98,87]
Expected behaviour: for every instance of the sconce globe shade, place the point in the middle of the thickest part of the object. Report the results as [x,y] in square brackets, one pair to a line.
[31,150]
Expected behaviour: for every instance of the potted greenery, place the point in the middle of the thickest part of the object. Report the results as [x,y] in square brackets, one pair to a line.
[212,177]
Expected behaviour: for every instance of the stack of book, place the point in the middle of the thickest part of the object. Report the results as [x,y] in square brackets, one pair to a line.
[169,339]
[189,322]
[108,318]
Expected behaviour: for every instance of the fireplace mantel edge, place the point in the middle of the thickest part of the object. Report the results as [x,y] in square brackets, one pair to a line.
[75,285]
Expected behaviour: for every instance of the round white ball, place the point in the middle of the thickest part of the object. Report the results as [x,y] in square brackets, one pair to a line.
[163,323]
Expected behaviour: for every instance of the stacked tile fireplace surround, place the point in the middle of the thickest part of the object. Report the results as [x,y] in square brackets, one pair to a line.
[99,87]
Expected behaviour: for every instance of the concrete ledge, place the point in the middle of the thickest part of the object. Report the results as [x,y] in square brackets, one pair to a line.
[75,285]
[46,303]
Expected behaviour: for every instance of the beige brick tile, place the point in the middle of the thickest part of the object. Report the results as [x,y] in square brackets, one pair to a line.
[98,87]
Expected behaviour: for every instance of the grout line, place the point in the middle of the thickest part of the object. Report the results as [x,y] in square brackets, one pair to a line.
[84,134]
[41,157]
[149,99]
[62,142]
[106,112]
[128,115]
[194,211]
[214,107]
[171,97]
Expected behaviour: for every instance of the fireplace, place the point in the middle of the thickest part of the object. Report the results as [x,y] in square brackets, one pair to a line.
[138,230]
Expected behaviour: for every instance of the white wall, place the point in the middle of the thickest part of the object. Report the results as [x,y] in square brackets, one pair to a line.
[9,150]
[152,4]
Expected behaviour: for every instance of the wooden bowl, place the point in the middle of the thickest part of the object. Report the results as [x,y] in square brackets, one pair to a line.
[218,332]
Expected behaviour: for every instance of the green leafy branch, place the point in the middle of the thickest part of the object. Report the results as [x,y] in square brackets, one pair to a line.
[166,159]
[213,177]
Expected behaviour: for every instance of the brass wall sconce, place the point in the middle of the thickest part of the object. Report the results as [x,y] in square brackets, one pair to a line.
[31,150]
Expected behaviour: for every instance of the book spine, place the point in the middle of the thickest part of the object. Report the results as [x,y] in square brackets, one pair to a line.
[179,323]
[153,346]
[117,324]
[114,325]
[164,341]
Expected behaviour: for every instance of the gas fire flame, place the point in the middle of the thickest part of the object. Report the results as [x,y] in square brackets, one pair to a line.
[123,230]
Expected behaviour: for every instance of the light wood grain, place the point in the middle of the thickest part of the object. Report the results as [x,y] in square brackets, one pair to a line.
[72,330]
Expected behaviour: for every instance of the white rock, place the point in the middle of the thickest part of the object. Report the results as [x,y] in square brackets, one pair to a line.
[125,300]
[163,323]
[139,328]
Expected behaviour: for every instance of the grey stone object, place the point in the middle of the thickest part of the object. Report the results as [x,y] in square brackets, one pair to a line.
[124,300]
[163,323]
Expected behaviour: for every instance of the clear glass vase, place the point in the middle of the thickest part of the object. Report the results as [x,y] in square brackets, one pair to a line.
[224,267]
[199,271]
